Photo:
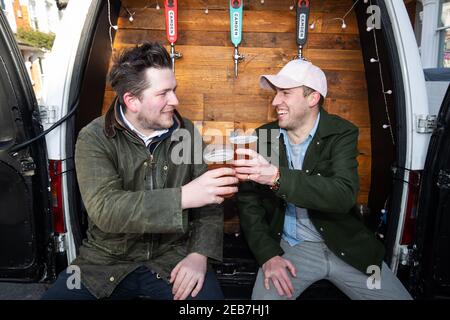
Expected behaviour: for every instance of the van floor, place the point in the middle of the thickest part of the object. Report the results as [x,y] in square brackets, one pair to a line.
[22,291]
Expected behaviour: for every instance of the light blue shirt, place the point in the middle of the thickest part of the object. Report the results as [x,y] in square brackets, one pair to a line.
[297,225]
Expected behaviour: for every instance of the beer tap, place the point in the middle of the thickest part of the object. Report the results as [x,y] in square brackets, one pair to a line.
[174,55]
[236,8]
[237,57]
[302,26]
[171,10]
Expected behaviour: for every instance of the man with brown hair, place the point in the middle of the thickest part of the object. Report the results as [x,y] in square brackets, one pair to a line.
[153,223]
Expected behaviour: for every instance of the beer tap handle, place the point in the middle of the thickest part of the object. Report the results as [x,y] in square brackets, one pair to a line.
[237,57]
[174,55]
[300,53]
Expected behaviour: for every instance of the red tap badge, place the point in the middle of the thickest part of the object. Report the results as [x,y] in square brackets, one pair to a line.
[171,8]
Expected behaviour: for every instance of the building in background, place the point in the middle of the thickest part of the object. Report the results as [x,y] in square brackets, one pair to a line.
[431,22]
[34,22]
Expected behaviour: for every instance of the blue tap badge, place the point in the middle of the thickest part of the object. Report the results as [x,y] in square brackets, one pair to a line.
[236,21]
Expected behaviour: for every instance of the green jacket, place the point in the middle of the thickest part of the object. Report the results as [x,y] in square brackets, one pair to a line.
[133,201]
[327,186]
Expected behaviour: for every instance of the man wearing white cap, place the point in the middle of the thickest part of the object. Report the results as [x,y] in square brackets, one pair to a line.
[298,217]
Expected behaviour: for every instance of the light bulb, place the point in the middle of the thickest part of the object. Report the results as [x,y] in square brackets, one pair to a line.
[343,25]
[115,27]
[206,11]
[373,60]
[313,25]
[385,126]
[262,1]
[131,18]
[291,8]
[389,92]
[157,6]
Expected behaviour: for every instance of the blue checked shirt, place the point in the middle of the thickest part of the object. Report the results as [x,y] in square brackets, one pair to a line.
[297,225]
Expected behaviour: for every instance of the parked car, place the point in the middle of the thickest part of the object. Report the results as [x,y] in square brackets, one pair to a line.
[42,218]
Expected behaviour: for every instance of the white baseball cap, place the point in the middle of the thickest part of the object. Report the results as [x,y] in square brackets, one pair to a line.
[294,74]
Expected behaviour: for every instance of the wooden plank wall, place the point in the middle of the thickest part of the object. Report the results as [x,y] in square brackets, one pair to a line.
[209,93]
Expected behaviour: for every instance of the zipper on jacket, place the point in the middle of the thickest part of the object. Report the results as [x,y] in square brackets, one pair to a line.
[151,171]
[152,165]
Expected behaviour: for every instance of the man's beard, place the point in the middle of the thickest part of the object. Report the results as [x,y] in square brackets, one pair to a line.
[152,125]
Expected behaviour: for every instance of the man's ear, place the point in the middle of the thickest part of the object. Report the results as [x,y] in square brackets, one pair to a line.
[131,102]
[314,99]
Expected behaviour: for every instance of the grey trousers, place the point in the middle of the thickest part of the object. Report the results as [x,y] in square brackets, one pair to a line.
[313,261]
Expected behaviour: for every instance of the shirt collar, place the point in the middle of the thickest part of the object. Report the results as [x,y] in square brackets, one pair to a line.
[311,133]
[146,139]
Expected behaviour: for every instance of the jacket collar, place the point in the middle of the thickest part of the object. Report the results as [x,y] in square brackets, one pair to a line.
[326,126]
[113,121]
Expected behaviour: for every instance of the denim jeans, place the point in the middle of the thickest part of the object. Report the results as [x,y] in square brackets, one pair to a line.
[141,283]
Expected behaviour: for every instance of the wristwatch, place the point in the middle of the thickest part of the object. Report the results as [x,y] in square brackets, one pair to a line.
[276,182]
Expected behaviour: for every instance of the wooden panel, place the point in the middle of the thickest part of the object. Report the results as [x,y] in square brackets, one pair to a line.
[364,183]
[246,108]
[341,85]
[364,141]
[363,197]
[218,102]
[107,100]
[355,111]
[253,21]
[364,163]
[364,170]
[251,39]
[281,5]
[257,58]
[191,104]
[346,85]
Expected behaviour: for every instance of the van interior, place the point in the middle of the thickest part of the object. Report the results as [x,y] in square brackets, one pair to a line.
[365,86]
[212,97]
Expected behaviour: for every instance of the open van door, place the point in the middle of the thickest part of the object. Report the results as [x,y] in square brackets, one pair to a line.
[430,276]
[25,215]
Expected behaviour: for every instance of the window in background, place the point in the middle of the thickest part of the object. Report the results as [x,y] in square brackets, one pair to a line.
[444,34]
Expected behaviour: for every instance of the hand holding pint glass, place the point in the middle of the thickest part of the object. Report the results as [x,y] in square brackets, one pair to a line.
[250,165]
[240,140]
[220,157]
[216,184]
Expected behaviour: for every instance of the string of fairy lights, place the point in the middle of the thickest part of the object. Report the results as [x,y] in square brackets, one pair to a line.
[111,26]
[375,59]
[385,92]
